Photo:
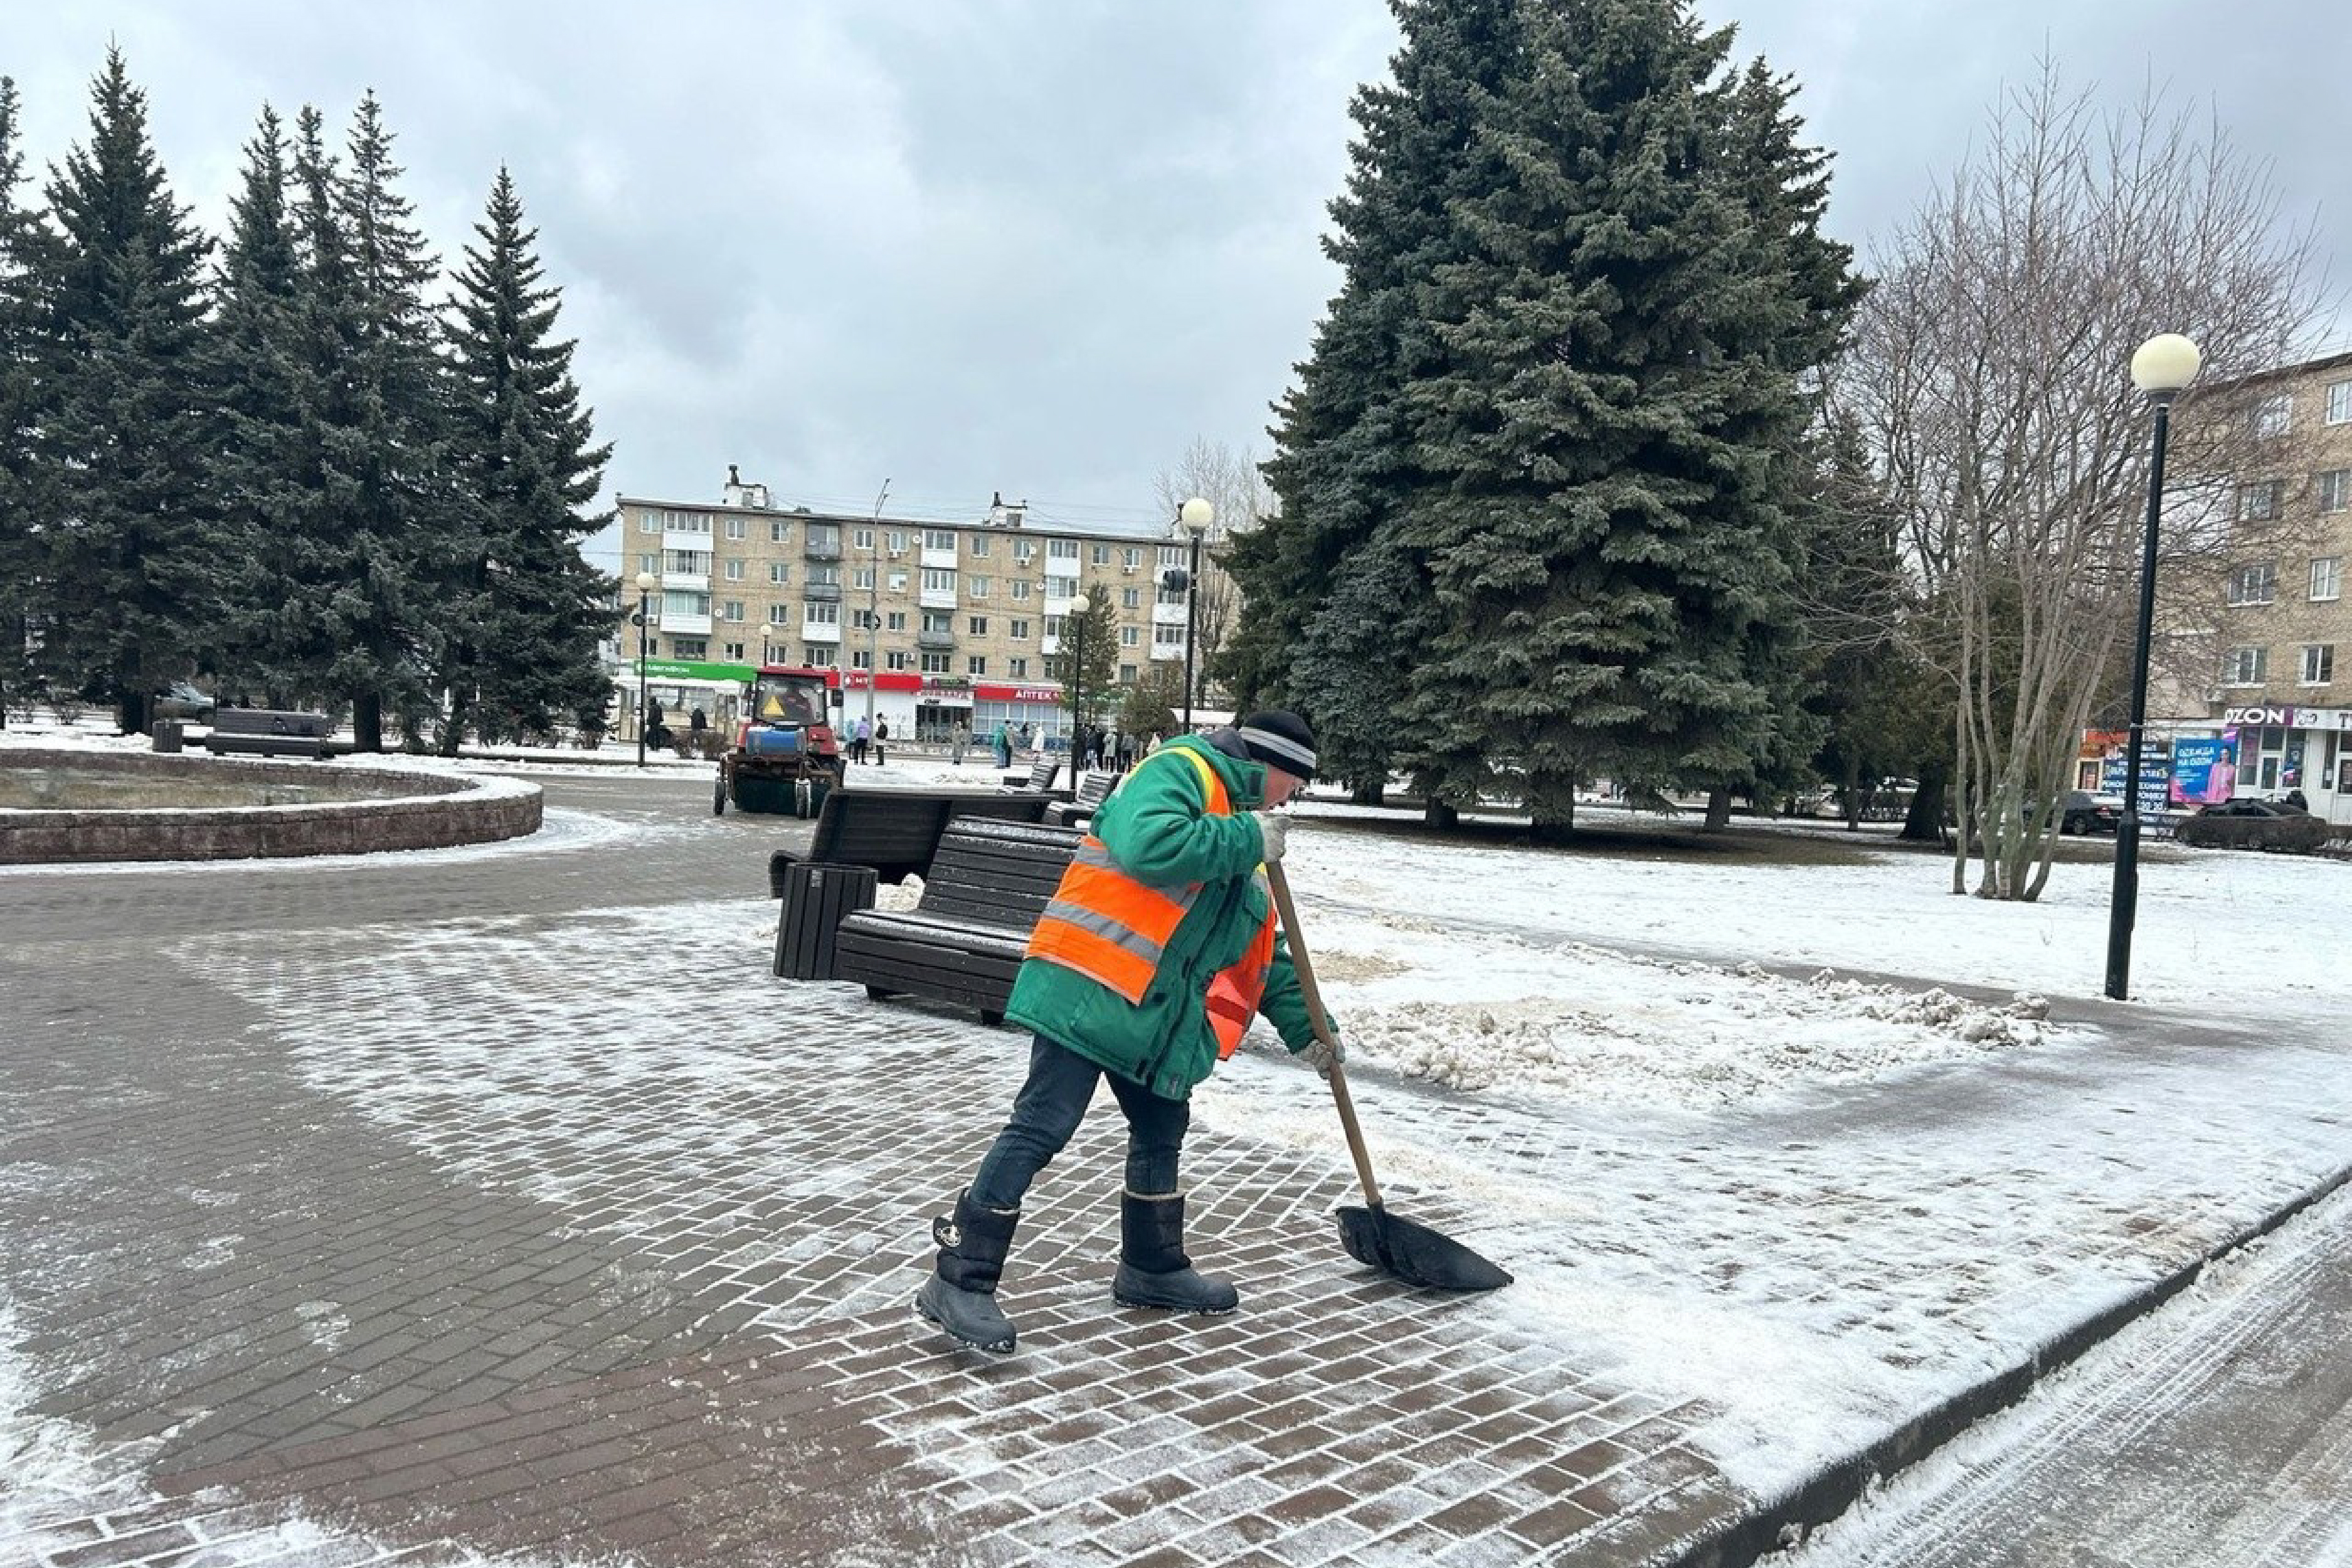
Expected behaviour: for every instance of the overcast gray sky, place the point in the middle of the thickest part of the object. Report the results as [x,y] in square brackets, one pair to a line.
[1035,245]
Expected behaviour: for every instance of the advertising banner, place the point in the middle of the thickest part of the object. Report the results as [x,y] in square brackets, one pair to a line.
[2204,770]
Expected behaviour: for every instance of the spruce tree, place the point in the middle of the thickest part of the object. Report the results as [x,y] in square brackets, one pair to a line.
[266,470]
[1607,441]
[1345,460]
[134,558]
[523,464]
[400,594]
[23,479]
[1090,674]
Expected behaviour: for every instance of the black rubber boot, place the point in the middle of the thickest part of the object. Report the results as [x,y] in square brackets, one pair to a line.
[1152,1269]
[960,1294]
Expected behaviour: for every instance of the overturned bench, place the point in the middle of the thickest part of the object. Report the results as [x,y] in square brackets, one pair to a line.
[962,944]
[268,732]
[894,831]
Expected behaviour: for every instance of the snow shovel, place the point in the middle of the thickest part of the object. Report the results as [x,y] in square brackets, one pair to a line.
[1374,1237]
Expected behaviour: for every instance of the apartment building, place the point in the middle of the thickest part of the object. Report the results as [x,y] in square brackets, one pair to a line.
[2273,627]
[926,624]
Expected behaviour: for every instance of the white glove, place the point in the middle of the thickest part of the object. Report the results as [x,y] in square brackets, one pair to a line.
[1273,830]
[1324,1055]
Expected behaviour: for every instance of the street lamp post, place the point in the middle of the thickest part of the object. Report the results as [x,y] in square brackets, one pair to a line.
[1196,515]
[873,611]
[646,581]
[1080,607]
[2161,368]
[767,638]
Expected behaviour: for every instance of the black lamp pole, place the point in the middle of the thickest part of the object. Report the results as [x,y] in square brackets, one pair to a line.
[644,597]
[1191,623]
[2125,904]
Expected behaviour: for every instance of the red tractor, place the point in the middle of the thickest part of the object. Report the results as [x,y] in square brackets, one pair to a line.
[786,758]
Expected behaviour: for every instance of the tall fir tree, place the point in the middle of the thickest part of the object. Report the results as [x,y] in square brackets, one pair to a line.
[1087,658]
[23,479]
[1608,443]
[266,472]
[1344,459]
[524,463]
[134,589]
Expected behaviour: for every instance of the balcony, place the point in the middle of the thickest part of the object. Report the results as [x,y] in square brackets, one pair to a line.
[821,631]
[683,623]
[935,598]
[940,560]
[935,642]
[821,593]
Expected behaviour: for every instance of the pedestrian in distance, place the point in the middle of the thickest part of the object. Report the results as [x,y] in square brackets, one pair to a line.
[959,742]
[1004,740]
[1159,946]
[859,738]
[881,741]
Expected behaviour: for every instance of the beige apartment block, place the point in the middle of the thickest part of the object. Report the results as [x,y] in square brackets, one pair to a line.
[2257,628]
[928,624]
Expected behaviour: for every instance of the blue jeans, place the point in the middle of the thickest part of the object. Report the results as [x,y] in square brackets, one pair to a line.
[1047,1111]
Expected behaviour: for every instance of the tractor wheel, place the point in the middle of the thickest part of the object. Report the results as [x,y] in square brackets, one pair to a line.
[718,797]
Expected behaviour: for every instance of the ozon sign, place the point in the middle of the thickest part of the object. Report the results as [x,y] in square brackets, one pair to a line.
[2287,716]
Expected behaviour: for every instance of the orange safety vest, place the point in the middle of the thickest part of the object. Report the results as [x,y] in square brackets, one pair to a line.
[1114,929]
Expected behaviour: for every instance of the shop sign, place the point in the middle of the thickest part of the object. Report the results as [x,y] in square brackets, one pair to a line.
[995,693]
[688,669]
[2287,716]
[2204,770]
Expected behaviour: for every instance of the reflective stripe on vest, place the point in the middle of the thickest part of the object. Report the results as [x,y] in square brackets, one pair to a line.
[1114,930]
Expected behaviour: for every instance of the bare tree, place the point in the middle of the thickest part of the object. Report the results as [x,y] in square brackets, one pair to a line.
[1989,371]
[1228,478]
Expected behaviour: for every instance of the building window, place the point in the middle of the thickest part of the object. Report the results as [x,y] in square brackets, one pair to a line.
[980,544]
[1126,674]
[1131,598]
[825,576]
[648,562]
[976,665]
[1168,636]
[894,660]
[860,659]
[1129,636]
[779,572]
[935,664]
[1021,631]
[1019,667]
[1053,625]
[2245,667]
[2271,415]
[1022,551]
[648,521]
[2335,489]
[690,647]
[686,563]
[1171,555]
[734,610]
[733,652]
[1102,554]
[1130,558]
[938,621]
[2262,502]
[778,613]
[896,540]
[863,538]
[780,532]
[979,625]
[2319,663]
[897,583]
[938,539]
[2255,584]
[1062,550]
[1021,587]
[734,571]
[827,615]
[2340,401]
[2327,576]
[939,580]
[894,620]
[861,577]
[736,528]
[818,655]
[975,587]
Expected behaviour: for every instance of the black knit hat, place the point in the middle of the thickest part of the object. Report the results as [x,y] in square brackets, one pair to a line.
[1280,740]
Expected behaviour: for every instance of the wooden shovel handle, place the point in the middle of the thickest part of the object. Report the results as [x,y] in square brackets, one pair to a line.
[1280,885]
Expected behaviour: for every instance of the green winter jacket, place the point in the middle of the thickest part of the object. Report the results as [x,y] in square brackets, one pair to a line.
[1157,826]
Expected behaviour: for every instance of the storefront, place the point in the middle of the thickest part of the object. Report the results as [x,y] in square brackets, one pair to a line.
[1041,708]
[2283,747]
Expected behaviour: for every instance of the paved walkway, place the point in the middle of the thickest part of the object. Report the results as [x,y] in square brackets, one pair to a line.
[501,1203]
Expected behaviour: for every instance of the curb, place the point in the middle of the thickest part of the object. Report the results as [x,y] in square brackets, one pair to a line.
[1785,1522]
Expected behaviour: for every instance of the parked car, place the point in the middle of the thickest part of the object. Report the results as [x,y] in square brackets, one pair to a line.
[2250,822]
[182,700]
[2082,812]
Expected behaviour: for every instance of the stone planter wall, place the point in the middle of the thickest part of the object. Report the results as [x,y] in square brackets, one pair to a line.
[431,811]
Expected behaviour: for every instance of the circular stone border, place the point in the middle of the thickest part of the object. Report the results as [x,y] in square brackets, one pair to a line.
[435,812]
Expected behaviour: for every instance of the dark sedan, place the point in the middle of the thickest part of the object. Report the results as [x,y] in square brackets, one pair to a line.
[2082,812]
[2249,823]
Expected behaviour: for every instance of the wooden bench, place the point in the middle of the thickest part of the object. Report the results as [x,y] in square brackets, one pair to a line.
[895,831]
[962,944]
[268,732]
[1094,788]
[1040,777]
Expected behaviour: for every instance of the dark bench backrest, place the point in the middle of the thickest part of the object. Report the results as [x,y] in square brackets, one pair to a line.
[1041,771]
[270,721]
[1094,788]
[896,831]
[1001,873]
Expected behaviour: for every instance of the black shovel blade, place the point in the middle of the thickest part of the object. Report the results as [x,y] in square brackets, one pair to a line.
[1415,1253]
